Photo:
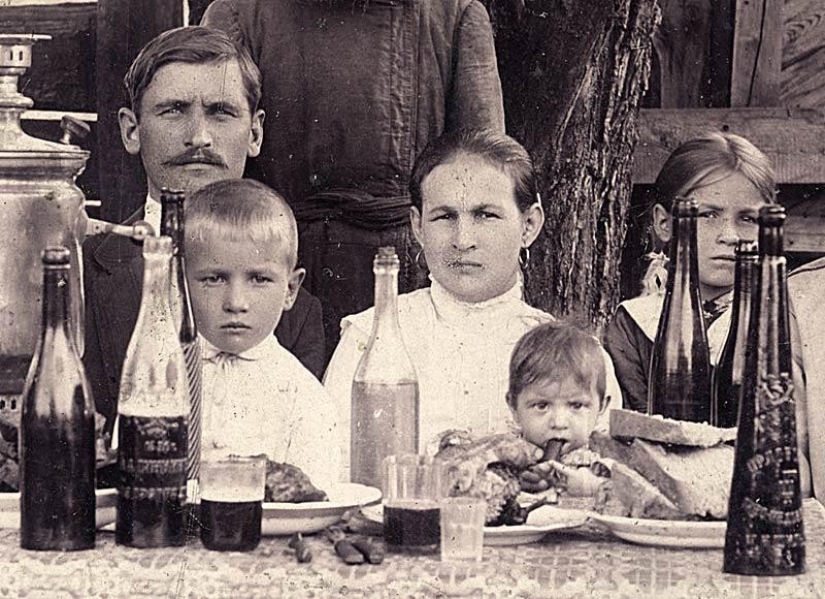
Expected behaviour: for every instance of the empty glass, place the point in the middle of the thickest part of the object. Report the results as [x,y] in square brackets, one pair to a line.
[462,528]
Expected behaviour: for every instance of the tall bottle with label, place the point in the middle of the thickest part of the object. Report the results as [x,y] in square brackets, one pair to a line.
[172,225]
[57,428]
[153,412]
[765,535]
[730,370]
[385,387]
[679,379]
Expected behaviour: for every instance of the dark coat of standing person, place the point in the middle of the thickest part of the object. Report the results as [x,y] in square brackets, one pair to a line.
[353,91]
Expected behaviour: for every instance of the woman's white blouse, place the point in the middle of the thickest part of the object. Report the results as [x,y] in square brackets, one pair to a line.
[461,353]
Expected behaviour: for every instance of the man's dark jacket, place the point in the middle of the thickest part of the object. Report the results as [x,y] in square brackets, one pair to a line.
[113,279]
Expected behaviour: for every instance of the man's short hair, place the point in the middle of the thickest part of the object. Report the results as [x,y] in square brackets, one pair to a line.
[242,209]
[192,45]
[554,352]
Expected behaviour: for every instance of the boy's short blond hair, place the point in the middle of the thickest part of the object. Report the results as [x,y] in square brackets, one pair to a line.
[242,209]
[557,351]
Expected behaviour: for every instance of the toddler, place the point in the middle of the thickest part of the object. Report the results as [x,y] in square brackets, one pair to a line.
[557,395]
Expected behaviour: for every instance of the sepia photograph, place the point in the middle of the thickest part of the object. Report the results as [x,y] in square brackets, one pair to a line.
[412,298]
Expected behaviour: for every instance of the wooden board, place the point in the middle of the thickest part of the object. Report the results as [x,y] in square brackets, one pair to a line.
[757,53]
[794,139]
[803,54]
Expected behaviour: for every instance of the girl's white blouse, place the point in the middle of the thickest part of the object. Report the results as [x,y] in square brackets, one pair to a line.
[461,353]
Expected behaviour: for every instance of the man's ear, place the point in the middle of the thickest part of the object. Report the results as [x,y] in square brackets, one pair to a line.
[256,134]
[293,285]
[533,219]
[661,223]
[415,222]
[129,130]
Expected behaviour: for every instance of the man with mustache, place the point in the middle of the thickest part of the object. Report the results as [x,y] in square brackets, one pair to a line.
[354,90]
[193,120]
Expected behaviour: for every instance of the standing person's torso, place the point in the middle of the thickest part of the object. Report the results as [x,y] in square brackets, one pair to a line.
[352,91]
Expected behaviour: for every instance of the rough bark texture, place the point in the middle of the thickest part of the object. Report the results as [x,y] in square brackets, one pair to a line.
[573,75]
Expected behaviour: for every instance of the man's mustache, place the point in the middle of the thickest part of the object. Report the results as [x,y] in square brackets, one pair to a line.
[197,155]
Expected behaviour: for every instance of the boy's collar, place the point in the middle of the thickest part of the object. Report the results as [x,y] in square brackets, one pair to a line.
[259,352]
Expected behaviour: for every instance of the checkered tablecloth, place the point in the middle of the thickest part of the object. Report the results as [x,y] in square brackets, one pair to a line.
[587,562]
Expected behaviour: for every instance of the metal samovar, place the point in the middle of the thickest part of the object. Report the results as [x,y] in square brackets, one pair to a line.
[40,206]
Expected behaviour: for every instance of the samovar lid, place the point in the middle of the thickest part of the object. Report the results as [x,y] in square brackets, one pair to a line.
[16,144]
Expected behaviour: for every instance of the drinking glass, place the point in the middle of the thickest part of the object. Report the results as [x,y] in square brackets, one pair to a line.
[232,494]
[411,486]
[462,528]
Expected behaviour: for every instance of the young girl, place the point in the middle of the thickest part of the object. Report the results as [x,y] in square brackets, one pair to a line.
[731,180]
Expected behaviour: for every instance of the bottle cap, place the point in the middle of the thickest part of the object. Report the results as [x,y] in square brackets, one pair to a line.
[55,256]
[772,214]
[171,195]
[386,258]
[684,206]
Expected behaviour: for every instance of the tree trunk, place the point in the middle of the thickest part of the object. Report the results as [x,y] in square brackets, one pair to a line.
[573,75]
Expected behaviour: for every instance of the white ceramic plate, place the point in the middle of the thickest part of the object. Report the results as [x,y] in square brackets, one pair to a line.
[541,521]
[106,508]
[289,518]
[666,533]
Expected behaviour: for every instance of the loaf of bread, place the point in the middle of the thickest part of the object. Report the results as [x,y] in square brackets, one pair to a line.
[687,463]
[630,494]
[626,424]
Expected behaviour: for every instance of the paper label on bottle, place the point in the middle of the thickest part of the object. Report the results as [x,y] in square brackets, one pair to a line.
[152,456]
[765,528]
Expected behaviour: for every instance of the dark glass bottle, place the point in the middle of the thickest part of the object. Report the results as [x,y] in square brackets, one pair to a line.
[765,534]
[57,428]
[385,387]
[172,225]
[679,379]
[729,371]
[153,416]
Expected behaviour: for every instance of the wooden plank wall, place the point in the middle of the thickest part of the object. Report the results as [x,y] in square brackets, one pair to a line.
[773,55]
[803,54]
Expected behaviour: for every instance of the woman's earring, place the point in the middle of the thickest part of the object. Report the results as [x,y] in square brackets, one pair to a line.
[418,262]
[524,257]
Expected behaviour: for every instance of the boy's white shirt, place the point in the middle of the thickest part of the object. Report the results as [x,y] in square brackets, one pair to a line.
[265,401]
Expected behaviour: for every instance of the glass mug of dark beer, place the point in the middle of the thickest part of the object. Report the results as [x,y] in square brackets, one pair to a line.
[412,489]
[232,494]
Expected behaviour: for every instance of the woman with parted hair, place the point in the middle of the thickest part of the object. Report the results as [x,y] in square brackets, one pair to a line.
[475,213]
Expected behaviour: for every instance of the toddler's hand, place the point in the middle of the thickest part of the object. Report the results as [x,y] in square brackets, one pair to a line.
[533,481]
[578,482]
